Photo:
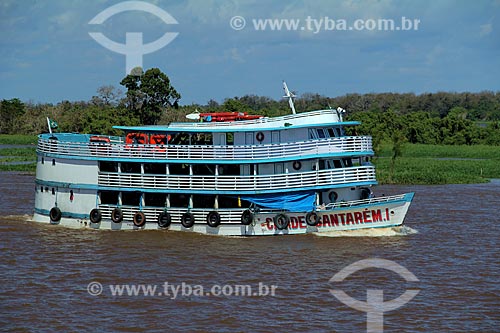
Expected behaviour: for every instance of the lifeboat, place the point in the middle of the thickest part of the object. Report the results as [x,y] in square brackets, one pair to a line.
[222,116]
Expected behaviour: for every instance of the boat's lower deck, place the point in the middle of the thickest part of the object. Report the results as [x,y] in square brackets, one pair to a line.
[370,213]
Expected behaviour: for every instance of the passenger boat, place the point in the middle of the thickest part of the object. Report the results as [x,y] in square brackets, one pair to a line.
[222,174]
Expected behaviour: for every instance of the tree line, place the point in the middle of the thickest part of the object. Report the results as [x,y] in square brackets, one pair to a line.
[430,118]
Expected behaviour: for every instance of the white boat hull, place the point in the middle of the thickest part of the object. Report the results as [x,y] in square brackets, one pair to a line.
[379,214]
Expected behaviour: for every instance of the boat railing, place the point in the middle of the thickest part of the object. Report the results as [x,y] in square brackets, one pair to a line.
[246,183]
[344,204]
[151,213]
[118,149]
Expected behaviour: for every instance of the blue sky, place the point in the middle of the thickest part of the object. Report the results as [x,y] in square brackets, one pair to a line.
[47,54]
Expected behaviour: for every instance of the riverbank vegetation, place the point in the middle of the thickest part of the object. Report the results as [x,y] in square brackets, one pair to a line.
[431,138]
[438,164]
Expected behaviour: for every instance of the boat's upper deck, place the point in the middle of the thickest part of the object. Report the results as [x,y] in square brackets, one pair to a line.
[320,118]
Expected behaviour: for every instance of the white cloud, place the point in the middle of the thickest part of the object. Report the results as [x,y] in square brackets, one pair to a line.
[435,53]
[485,29]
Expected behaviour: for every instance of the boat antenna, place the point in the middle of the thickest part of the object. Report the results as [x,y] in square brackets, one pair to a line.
[290,97]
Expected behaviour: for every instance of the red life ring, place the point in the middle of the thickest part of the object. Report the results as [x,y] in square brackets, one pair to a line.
[158,139]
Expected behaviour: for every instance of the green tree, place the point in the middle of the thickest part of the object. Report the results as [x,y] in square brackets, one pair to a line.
[10,111]
[149,94]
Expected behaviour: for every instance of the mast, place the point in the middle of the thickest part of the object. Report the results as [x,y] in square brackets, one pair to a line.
[290,97]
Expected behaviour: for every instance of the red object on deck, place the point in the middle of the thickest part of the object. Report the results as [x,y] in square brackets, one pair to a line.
[227,116]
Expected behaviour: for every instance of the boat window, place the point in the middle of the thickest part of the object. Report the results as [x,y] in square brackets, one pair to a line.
[313,134]
[202,139]
[247,169]
[109,197]
[203,201]
[249,138]
[131,198]
[179,139]
[131,167]
[230,139]
[108,166]
[231,202]
[155,199]
[204,169]
[336,132]
[229,170]
[179,200]
[178,169]
[321,133]
[275,136]
[347,162]
[331,132]
[321,164]
[337,164]
[155,168]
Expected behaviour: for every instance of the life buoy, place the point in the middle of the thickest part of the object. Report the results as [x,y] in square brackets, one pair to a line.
[139,219]
[141,138]
[260,136]
[95,215]
[55,214]
[117,215]
[136,138]
[297,165]
[333,196]
[99,139]
[158,139]
[187,220]
[312,218]
[213,219]
[281,221]
[365,193]
[246,217]
[99,144]
[129,139]
[164,220]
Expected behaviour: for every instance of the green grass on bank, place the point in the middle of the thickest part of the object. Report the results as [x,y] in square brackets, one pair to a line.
[17,139]
[432,164]
[440,151]
[31,168]
[10,156]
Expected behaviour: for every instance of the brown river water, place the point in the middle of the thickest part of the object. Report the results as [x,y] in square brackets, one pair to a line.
[52,276]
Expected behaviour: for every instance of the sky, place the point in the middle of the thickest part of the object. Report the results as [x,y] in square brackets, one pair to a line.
[47,53]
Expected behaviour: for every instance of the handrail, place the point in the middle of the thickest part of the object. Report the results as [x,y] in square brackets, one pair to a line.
[361,202]
[299,149]
[247,183]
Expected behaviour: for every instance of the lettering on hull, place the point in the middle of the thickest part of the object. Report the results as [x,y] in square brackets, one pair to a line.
[335,219]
